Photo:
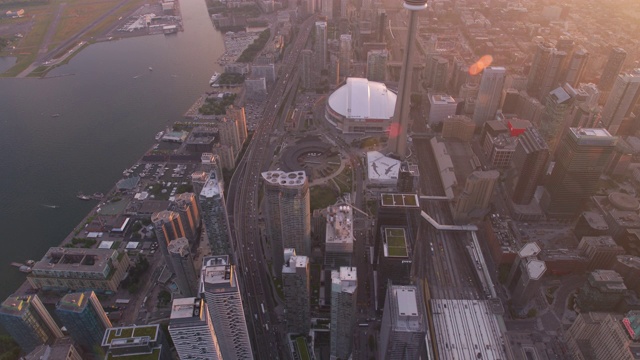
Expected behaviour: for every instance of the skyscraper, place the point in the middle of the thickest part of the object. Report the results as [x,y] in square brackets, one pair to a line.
[167,226]
[346,54]
[620,103]
[295,283]
[401,121]
[186,206]
[436,73]
[238,117]
[545,70]
[612,68]
[191,330]
[489,94]
[576,67]
[307,68]
[220,288]
[581,157]
[320,46]
[530,162]
[404,324]
[288,216]
[344,287]
[182,263]
[524,277]
[600,336]
[377,65]
[477,193]
[557,103]
[84,318]
[28,322]
[327,9]
[214,215]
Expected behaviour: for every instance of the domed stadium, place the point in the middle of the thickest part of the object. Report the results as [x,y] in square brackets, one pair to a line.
[361,106]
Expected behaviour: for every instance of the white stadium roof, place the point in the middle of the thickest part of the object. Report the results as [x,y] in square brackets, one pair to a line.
[363,99]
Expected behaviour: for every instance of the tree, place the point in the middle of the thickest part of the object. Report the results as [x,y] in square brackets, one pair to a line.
[164,297]
[9,349]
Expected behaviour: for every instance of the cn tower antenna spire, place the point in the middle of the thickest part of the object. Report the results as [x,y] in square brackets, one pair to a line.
[400,125]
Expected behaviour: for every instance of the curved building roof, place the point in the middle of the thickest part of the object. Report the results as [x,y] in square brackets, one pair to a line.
[363,99]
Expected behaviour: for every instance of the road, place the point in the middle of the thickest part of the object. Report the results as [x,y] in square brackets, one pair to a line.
[266,331]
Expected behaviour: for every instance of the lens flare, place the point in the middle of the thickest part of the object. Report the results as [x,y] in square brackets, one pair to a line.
[394,130]
[480,65]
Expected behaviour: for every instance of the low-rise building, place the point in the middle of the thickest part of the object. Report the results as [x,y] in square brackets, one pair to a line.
[441,107]
[600,250]
[602,292]
[136,342]
[100,270]
[460,127]
[338,236]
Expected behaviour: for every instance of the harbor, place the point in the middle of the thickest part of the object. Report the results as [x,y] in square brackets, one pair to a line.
[100,130]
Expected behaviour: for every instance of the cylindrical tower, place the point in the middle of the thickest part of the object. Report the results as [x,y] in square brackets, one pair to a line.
[400,125]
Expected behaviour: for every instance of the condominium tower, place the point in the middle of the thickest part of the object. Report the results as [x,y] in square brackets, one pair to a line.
[168,226]
[214,215]
[219,287]
[612,68]
[83,316]
[489,94]
[182,263]
[344,296]
[621,102]
[192,331]
[287,213]
[320,47]
[295,282]
[28,322]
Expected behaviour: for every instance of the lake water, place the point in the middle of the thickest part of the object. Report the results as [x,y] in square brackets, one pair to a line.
[110,111]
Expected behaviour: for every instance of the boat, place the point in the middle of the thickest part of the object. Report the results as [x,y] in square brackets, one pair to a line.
[31,262]
[51,206]
[55,115]
[82,196]
[214,78]
[25,269]
[97,196]
[159,135]
[150,68]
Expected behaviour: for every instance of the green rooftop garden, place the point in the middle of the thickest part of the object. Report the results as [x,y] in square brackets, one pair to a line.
[154,355]
[302,348]
[394,232]
[399,200]
[129,332]
[149,331]
[125,333]
[396,242]
[410,200]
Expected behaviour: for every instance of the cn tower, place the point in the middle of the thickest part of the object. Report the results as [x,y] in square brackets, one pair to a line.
[400,125]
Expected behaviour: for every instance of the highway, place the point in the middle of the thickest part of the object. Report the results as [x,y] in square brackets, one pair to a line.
[267,334]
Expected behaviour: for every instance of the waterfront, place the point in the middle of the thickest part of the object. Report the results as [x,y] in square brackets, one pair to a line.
[110,111]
